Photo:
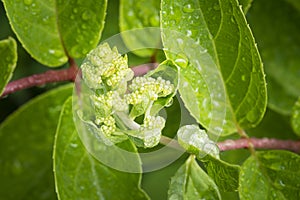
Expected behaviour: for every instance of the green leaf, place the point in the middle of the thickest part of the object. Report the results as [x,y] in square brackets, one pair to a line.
[221,70]
[78,175]
[270,175]
[53,30]
[246,4]
[224,174]
[138,14]
[296,117]
[8,52]
[26,141]
[279,44]
[191,182]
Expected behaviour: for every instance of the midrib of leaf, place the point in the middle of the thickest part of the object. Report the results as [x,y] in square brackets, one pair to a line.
[218,62]
[187,176]
[95,175]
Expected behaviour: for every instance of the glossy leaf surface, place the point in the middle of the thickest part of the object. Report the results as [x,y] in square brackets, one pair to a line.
[191,182]
[221,71]
[26,141]
[8,52]
[296,117]
[270,175]
[53,30]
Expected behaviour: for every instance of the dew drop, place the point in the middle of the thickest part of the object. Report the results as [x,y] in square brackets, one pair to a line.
[188,8]
[86,15]
[27,2]
[51,51]
[188,33]
[243,77]
[45,19]
[75,10]
[73,145]
[251,116]
[181,62]
[72,17]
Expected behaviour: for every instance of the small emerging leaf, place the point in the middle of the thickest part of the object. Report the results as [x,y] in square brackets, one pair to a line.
[8,53]
[78,175]
[191,182]
[270,175]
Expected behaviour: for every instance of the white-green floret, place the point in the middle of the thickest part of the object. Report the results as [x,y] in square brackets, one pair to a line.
[105,66]
[107,74]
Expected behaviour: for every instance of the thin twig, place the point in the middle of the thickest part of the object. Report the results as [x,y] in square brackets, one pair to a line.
[143,69]
[260,143]
[51,76]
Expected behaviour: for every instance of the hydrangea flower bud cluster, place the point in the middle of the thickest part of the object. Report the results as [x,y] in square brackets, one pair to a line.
[107,74]
[105,66]
[148,87]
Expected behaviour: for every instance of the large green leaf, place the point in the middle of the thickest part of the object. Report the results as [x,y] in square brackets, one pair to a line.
[221,70]
[279,44]
[78,175]
[138,14]
[191,182]
[26,141]
[8,53]
[270,175]
[53,30]
[296,117]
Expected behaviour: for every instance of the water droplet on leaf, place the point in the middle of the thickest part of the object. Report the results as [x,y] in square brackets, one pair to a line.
[86,15]
[243,77]
[27,2]
[188,8]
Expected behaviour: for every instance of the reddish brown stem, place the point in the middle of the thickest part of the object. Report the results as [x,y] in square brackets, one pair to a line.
[50,76]
[53,76]
[260,143]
